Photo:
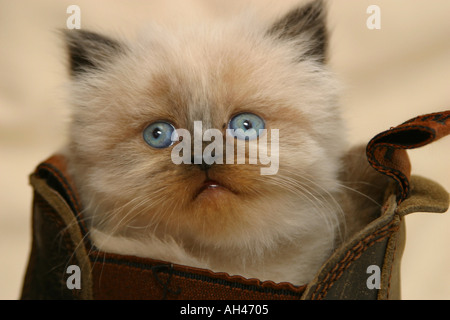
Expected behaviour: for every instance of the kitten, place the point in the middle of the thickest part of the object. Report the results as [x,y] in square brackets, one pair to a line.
[127,99]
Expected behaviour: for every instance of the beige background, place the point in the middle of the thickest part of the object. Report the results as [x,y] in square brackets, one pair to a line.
[391,74]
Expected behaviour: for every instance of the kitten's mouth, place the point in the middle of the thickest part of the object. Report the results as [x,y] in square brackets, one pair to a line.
[212,187]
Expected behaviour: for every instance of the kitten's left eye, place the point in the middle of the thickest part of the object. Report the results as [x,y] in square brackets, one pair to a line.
[159,134]
[249,125]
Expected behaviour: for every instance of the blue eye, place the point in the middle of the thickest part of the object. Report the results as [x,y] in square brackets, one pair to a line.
[249,125]
[158,134]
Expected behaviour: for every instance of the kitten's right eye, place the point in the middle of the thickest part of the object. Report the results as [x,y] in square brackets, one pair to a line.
[159,134]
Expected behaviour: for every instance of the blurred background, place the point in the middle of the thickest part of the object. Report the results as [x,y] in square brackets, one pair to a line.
[391,75]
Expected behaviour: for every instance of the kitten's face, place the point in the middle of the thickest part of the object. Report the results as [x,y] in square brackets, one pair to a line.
[210,75]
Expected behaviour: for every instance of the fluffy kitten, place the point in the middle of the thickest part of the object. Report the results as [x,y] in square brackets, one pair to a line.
[224,217]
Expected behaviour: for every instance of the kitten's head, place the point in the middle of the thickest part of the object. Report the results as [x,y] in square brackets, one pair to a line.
[129,97]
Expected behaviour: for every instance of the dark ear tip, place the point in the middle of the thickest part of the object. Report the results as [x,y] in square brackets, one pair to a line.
[308,22]
[73,37]
[66,36]
[88,50]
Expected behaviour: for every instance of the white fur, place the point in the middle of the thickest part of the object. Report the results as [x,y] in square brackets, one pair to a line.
[289,231]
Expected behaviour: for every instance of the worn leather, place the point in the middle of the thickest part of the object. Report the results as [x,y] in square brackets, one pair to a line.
[344,275]
[60,238]
[386,152]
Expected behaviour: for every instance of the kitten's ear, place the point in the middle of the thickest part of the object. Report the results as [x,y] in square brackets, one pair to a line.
[89,51]
[307,23]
